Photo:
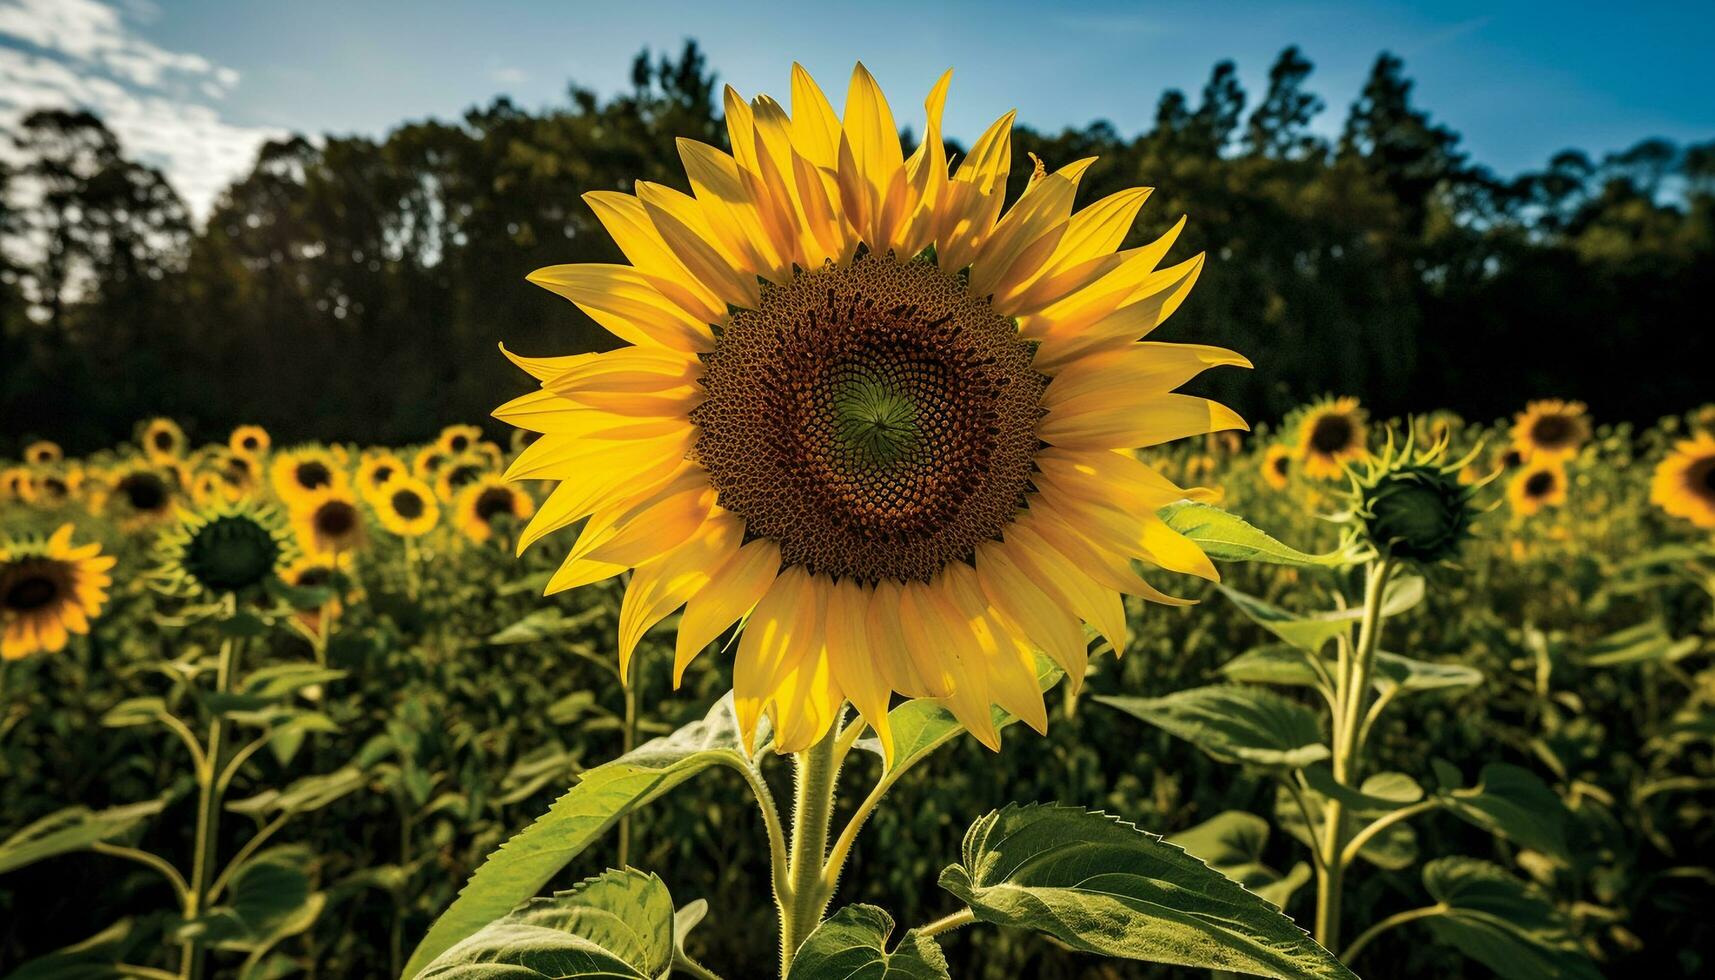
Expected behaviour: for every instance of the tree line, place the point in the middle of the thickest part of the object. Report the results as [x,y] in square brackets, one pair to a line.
[356,288]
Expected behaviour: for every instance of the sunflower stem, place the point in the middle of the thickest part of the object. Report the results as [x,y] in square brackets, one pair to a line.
[194,956]
[807,898]
[1350,703]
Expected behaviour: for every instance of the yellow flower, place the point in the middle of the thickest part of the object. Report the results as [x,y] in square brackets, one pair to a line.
[1331,434]
[298,474]
[406,506]
[18,483]
[428,462]
[486,500]
[1277,466]
[457,439]
[43,452]
[49,590]
[144,493]
[249,441]
[1550,430]
[459,472]
[162,440]
[315,572]
[375,469]
[1684,483]
[1539,484]
[327,521]
[864,404]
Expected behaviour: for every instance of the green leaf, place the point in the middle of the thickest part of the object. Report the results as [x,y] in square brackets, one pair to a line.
[1409,676]
[95,958]
[1380,793]
[1232,843]
[271,898]
[602,795]
[1642,643]
[1289,665]
[852,945]
[134,711]
[279,680]
[924,725]
[1506,924]
[1100,885]
[1224,536]
[684,920]
[617,924]
[73,829]
[1235,724]
[303,795]
[1277,663]
[1310,632]
[1393,849]
[1515,804]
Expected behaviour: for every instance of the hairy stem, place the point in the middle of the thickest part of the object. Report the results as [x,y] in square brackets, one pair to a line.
[948,923]
[1391,922]
[812,806]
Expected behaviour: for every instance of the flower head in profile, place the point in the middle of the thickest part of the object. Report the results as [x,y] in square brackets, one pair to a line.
[1550,431]
[1332,433]
[1409,504]
[1684,482]
[229,548]
[1277,466]
[872,410]
[49,589]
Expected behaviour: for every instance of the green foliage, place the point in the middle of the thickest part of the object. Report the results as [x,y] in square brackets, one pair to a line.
[1502,922]
[1101,885]
[1241,724]
[852,943]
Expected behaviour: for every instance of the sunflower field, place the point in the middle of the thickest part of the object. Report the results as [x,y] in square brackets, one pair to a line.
[670,669]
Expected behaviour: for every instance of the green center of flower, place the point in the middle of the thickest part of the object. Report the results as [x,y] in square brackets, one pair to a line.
[874,423]
[230,554]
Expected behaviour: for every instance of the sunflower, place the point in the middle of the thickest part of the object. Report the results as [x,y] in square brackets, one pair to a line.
[864,406]
[43,452]
[315,572]
[428,462]
[457,439]
[1539,484]
[302,472]
[492,452]
[458,473]
[406,506]
[328,521]
[49,589]
[1331,433]
[1277,466]
[162,440]
[1550,430]
[375,469]
[144,493]
[53,485]
[486,501]
[1684,483]
[225,549]
[18,483]
[249,441]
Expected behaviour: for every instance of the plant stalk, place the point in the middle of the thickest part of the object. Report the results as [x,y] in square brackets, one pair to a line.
[194,956]
[807,898]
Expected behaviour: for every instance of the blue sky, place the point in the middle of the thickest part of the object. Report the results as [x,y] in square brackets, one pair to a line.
[195,84]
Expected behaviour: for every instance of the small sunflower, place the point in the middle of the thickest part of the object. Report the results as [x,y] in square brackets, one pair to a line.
[457,439]
[315,572]
[162,440]
[328,521]
[1539,484]
[428,462]
[458,473]
[48,590]
[225,549]
[53,485]
[490,451]
[1277,466]
[406,506]
[249,441]
[374,471]
[43,452]
[1332,433]
[304,471]
[867,404]
[1684,482]
[1550,430]
[18,483]
[144,493]
[487,501]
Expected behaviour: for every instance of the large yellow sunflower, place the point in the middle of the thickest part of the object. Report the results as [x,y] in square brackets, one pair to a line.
[1684,482]
[406,506]
[249,441]
[864,404]
[328,521]
[484,502]
[300,473]
[1332,433]
[1550,430]
[162,440]
[48,590]
[1539,484]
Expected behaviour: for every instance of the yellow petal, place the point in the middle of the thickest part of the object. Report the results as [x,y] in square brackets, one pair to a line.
[625,304]
[654,529]
[1136,422]
[922,626]
[957,654]
[734,589]
[663,585]
[1029,611]
[775,638]
[628,223]
[1010,669]
[1050,570]
[852,661]
[694,244]
[1134,368]
[1148,307]
[807,699]
[871,160]
[815,127]
[889,645]
[725,201]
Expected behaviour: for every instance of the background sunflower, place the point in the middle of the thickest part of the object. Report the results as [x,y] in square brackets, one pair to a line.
[1684,483]
[1550,430]
[49,590]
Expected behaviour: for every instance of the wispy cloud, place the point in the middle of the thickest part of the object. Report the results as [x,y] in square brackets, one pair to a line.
[508,76]
[161,103]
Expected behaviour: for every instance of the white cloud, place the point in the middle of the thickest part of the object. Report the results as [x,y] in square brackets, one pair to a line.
[508,76]
[85,53]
